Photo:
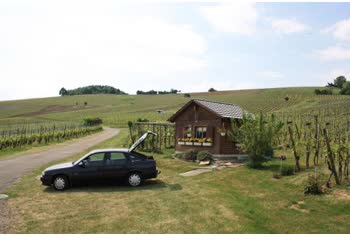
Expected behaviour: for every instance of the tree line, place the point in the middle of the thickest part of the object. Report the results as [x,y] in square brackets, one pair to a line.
[340,83]
[92,89]
[153,92]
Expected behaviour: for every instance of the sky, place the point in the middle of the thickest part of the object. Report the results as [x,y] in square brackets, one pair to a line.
[187,45]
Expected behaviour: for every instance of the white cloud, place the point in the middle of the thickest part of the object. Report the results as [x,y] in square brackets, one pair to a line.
[340,30]
[232,17]
[49,45]
[335,53]
[271,74]
[288,26]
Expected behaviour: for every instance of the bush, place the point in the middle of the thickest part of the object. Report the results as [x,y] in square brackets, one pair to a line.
[204,156]
[314,185]
[178,155]
[287,170]
[323,92]
[257,135]
[190,155]
[187,95]
[92,121]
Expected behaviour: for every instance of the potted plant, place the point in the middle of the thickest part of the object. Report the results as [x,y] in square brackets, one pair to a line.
[189,141]
[188,132]
[197,142]
[222,131]
[208,142]
[180,141]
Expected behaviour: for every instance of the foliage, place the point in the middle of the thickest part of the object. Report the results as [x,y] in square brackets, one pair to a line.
[287,170]
[187,95]
[211,90]
[190,155]
[204,156]
[314,185]
[45,137]
[153,92]
[345,89]
[338,82]
[92,89]
[257,135]
[92,121]
[323,91]
[63,92]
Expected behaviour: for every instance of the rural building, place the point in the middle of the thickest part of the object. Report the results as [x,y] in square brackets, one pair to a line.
[203,125]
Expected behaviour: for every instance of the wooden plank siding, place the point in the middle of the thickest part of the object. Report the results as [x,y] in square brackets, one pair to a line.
[194,116]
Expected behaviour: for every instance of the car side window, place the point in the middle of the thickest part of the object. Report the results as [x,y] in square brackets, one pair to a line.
[96,159]
[116,158]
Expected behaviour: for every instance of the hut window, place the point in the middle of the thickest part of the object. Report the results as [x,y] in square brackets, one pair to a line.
[201,132]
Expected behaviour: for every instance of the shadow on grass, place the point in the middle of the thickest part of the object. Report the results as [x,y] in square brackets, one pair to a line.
[273,166]
[119,187]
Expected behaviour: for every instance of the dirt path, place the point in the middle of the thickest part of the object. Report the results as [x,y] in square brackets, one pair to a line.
[14,168]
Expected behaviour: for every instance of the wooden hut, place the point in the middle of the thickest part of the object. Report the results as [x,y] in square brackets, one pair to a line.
[203,125]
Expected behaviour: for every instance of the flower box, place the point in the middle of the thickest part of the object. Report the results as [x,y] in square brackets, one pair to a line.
[207,144]
[181,143]
[189,143]
[197,144]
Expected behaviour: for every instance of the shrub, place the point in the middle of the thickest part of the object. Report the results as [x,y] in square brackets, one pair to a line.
[204,156]
[178,155]
[323,92]
[257,135]
[187,95]
[190,155]
[287,170]
[314,185]
[92,121]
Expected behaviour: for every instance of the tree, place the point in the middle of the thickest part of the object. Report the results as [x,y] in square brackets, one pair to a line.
[257,136]
[211,90]
[345,89]
[338,82]
[63,92]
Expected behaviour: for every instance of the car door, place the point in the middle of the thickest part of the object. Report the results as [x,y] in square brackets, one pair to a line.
[90,169]
[115,167]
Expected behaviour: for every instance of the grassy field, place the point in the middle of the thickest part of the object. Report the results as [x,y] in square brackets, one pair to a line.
[239,200]
[117,110]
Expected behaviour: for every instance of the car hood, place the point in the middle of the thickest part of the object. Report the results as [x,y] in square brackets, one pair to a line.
[59,166]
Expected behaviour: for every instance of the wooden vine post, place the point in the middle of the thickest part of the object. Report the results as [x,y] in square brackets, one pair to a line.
[296,156]
[330,159]
[317,141]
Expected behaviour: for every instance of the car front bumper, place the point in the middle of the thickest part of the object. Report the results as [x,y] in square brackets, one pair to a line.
[45,180]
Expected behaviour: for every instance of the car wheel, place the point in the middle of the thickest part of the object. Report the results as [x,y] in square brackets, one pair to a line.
[135,179]
[60,183]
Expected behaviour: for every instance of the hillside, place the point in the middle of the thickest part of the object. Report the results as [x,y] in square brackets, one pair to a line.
[116,110]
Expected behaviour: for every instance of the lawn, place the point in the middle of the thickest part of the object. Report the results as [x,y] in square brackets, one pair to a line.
[239,200]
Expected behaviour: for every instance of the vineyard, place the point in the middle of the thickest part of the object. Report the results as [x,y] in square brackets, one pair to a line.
[16,136]
[319,138]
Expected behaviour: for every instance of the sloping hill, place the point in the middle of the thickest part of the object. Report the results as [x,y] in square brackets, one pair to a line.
[116,110]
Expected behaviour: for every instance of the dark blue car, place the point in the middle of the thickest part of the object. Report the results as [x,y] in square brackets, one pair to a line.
[103,165]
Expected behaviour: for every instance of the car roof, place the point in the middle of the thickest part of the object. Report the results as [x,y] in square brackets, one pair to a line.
[124,150]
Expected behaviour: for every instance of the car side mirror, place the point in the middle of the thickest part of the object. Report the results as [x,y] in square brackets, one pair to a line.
[83,163]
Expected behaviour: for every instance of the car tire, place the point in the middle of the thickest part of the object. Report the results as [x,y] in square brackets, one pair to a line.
[134,179]
[60,183]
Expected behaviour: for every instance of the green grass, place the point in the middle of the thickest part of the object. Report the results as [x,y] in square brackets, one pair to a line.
[116,110]
[239,200]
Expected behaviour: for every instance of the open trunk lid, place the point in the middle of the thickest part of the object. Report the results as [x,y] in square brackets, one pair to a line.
[140,140]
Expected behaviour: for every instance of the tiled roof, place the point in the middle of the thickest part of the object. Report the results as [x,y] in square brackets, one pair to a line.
[224,110]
